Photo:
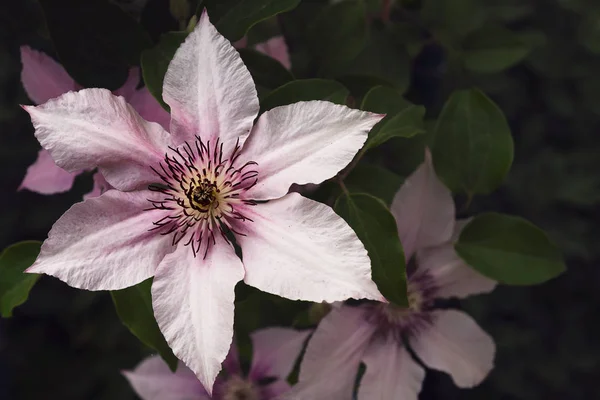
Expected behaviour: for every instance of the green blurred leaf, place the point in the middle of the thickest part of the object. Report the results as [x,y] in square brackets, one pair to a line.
[338,35]
[14,283]
[402,120]
[455,17]
[472,146]
[134,307]
[304,90]
[589,31]
[376,228]
[509,250]
[155,62]
[493,49]
[243,14]
[265,70]
[95,40]
[374,180]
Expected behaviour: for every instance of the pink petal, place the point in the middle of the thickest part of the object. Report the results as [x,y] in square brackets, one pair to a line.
[193,299]
[45,177]
[277,49]
[305,142]
[391,372]
[231,364]
[92,128]
[330,364]
[240,44]
[153,380]
[104,243]
[42,77]
[275,351]
[130,85]
[302,250]
[209,89]
[148,108]
[424,210]
[457,345]
[100,186]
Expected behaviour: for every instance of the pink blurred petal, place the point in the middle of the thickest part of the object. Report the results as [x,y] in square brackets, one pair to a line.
[209,90]
[100,186]
[104,243]
[330,363]
[275,351]
[300,249]
[231,364]
[42,77]
[148,108]
[92,128]
[193,299]
[457,345]
[424,210]
[130,85]
[305,142]
[242,43]
[45,177]
[276,48]
[153,380]
[391,372]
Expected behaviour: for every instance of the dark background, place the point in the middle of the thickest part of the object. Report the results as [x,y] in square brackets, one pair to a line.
[68,344]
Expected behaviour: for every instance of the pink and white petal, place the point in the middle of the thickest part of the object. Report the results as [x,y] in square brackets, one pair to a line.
[300,249]
[456,345]
[92,128]
[391,372]
[130,85]
[42,77]
[330,363]
[100,186]
[193,299]
[45,177]
[104,243]
[209,90]
[304,142]
[148,108]
[275,351]
[453,277]
[276,48]
[424,210]
[153,380]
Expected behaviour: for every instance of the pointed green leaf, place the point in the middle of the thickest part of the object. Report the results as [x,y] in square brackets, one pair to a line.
[134,307]
[14,283]
[509,250]
[376,228]
[304,90]
[472,146]
[374,180]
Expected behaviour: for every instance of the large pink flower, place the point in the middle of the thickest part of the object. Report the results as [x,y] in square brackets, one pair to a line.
[44,79]
[214,174]
[446,340]
[275,353]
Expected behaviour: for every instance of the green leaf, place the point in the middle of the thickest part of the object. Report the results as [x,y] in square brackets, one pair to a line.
[14,283]
[472,146]
[338,34]
[155,62]
[304,90]
[95,40]
[509,250]
[134,307]
[265,70]
[376,228]
[493,49]
[374,180]
[402,120]
[244,14]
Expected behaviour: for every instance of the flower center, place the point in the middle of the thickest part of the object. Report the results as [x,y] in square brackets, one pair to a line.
[237,388]
[204,193]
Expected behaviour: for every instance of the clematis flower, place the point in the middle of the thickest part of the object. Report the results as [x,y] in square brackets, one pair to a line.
[275,353]
[275,48]
[178,195]
[375,333]
[44,79]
